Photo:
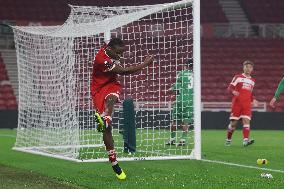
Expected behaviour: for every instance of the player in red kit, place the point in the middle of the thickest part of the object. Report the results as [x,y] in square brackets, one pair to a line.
[241,87]
[105,91]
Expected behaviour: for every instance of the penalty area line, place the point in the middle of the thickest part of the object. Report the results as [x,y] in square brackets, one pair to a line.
[240,165]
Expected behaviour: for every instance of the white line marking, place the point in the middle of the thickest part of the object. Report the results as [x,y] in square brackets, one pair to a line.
[240,165]
[11,136]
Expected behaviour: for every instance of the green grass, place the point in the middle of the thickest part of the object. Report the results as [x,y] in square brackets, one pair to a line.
[54,173]
[16,179]
[153,146]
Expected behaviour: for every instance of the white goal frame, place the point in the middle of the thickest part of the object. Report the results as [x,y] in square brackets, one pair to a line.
[196,151]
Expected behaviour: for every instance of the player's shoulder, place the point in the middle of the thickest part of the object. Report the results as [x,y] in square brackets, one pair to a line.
[101,56]
[189,71]
[185,72]
[101,52]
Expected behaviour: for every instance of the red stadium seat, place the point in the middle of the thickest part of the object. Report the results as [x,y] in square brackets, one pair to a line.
[44,10]
[11,104]
[2,104]
[7,97]
[263,11]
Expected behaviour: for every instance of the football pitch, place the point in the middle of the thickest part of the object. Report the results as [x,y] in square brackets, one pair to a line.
[22,170]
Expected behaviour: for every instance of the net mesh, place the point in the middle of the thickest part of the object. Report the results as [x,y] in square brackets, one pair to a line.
[55,69]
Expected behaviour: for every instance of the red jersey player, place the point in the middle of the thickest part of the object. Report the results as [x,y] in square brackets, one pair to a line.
[241,87]
[105,91]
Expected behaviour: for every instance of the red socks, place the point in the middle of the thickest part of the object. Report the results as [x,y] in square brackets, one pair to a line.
[246,130]
[108,120]
[112,157]
[230,132]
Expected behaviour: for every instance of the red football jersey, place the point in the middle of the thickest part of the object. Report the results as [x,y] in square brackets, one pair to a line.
[101,67]
[244,85]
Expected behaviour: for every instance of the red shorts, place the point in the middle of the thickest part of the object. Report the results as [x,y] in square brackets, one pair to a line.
[240,110]
[100,95]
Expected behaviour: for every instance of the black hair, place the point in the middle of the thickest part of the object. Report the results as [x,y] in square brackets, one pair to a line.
[115,42]
[190,62]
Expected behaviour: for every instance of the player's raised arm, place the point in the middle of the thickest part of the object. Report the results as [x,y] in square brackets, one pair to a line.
[132,69]
[114,51]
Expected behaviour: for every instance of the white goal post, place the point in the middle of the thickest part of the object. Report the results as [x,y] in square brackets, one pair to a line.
[55,70]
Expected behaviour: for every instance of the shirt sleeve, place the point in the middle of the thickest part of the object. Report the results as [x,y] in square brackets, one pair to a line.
[233,84]
[279,89]
[234,81]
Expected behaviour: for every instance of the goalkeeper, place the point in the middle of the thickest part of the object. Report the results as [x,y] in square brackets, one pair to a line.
[182,112]
[277,93]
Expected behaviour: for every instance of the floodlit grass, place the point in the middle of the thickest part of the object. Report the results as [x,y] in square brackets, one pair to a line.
[55,173]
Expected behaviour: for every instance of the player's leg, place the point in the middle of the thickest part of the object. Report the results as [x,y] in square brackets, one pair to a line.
[246,127]
[104,101]
[230,130]
[107,135]
[107,118]
[185,128]
[234,117]
[104,106]
[173,129]
[187,118]
[99,105]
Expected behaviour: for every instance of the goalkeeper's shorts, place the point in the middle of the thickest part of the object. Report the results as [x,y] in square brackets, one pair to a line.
[182,113]
[100,95]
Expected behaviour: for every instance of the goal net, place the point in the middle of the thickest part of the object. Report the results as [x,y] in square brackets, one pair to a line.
[55,66]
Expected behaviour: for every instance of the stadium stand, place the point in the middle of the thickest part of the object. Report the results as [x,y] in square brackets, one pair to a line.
[264,11]
[7,97]
[211,12]
[46,10]
[222,59]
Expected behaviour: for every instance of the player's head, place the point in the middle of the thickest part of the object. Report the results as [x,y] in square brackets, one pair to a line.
[188,65]
[115,48]
[248,67]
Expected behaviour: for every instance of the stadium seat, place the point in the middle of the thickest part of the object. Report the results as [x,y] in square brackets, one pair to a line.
[2,104]
[211,12]
[31,10]
[7,97]
[264,11]
[12,104]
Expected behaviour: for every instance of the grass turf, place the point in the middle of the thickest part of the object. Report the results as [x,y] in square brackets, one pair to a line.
[153,174]
[14,178]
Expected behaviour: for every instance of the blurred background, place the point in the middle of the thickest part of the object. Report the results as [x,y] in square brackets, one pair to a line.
[232,31]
